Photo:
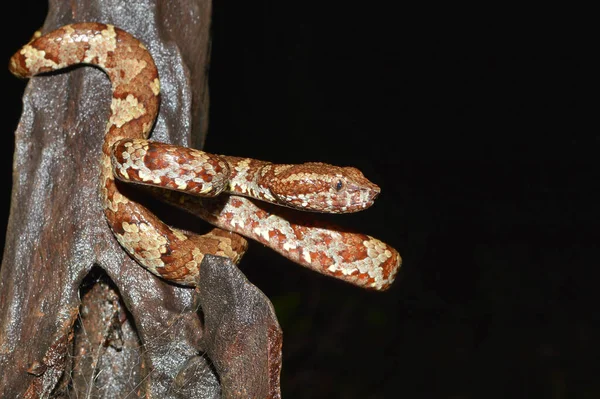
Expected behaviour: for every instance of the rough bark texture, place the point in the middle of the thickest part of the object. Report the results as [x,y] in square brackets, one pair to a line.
[134,334]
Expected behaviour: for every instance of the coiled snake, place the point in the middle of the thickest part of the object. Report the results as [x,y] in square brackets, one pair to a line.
[176,254]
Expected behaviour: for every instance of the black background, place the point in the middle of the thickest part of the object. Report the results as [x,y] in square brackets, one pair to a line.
[473,122]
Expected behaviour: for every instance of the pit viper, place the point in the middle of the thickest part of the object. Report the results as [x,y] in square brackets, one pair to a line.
[242,188]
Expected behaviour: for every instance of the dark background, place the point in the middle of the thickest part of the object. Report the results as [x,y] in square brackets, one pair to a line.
[474,125]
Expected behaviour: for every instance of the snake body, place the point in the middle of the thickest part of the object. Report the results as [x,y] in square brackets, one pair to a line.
[244,188]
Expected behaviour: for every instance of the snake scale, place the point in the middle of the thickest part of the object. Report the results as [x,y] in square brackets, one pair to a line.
[242,187]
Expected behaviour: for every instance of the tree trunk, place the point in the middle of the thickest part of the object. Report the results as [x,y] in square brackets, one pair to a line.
[77,315]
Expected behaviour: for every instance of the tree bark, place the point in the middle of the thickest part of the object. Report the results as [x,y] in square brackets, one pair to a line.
[77,315]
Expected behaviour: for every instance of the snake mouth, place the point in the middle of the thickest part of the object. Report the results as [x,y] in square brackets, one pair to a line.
[357,201]
[375,191]
[370,195]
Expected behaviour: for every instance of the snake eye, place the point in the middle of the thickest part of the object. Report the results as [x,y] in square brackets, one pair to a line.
[339,185]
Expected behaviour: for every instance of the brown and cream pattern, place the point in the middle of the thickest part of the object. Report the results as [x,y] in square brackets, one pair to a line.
[175,254]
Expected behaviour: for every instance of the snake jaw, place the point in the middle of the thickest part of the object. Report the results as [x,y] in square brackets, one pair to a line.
[355,193]
[364,197]
[319,187]
[358,196]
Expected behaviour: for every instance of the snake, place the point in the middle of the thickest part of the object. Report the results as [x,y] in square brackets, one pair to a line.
[240,197]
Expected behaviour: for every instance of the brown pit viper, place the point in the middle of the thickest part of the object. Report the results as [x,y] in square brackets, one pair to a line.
[176,254]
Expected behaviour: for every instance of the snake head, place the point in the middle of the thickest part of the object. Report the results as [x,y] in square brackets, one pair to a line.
[320,187]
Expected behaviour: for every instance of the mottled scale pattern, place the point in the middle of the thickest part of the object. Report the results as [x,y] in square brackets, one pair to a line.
[175,254]
[175,168]
[353,257]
